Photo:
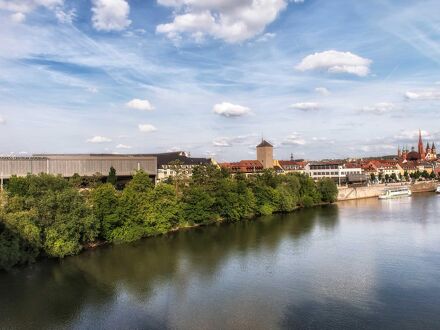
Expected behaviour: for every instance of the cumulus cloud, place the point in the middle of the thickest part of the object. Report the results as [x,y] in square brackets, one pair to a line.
[123,146]
[99,139]
[323,91]
[143,105]
[336,62]
[379,108]
[294,139]
[230,110]
[147,128]
[229,20]
[423,95]
[305,106]
[110,15]
[18,17]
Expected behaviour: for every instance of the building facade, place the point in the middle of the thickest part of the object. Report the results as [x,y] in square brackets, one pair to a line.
[265,154]
[338,171]
[83,164]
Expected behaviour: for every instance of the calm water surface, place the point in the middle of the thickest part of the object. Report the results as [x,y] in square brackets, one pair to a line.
[364,264]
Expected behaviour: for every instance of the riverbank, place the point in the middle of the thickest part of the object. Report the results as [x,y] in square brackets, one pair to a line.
[47,216]
[350,193]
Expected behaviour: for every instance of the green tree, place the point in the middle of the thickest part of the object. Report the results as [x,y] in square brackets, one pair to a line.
[328,190]
[198,206]
[163,210]
[105,203]
[112,179]
[393,176]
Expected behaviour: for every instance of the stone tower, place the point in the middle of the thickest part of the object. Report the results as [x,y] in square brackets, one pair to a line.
[265,154]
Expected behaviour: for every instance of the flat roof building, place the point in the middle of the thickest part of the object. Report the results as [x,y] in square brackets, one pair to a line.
[83,164]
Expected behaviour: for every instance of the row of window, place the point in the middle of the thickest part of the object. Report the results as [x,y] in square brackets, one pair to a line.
[335,173]
[323,167]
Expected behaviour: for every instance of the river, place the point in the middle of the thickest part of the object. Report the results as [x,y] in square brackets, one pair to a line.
[365,264]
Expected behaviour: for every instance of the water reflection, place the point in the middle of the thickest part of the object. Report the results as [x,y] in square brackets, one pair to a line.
[340,266]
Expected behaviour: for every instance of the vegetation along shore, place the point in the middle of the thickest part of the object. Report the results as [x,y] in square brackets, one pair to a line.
[49,216]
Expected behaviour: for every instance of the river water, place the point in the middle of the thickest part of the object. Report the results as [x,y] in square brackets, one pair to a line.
[364,264]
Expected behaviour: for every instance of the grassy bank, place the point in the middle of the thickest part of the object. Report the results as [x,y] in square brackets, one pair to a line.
[48,216]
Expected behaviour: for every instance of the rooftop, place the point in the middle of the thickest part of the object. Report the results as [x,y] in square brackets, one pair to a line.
[264,143]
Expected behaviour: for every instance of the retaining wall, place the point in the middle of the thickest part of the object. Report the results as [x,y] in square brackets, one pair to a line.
[348,193]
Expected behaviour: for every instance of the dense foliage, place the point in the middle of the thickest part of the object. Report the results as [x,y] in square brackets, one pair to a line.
[49,216]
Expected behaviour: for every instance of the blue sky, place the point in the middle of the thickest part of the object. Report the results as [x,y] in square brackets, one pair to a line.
[318,78]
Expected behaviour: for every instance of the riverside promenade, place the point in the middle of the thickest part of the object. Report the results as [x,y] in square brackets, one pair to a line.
[349,193]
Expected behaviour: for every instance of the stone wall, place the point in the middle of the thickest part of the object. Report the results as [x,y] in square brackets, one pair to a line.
[348,193]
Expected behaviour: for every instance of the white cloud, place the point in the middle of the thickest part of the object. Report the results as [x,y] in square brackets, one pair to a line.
[379,108]
[65,16]
[18,17]
[2,120]
[143,105]
[294,139]
[221,142]
[266,37]
[230,110]
[336,62]
[26,6]
[235,140]
[110,15]
[147,128]
[230,20]
[99,139]
[423,95]
[411,135]
[305,106]
[92,90]
[323,91]
[123,146]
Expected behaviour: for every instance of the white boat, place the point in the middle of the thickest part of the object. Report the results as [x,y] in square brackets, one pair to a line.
[395,192]
[438,190]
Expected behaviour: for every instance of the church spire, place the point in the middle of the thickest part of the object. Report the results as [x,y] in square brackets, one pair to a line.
[420,146]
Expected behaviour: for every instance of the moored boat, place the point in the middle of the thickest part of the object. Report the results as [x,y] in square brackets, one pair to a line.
[396,192]
[438,190]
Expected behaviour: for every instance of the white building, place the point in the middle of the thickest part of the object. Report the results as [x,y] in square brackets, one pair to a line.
[335,170]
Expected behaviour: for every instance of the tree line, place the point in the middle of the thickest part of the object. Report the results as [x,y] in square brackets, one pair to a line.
[49,216]
[393,177]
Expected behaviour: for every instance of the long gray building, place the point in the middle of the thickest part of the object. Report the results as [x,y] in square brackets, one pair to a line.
[83,164]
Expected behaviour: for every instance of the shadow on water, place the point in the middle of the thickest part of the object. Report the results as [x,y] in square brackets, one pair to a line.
[53,294]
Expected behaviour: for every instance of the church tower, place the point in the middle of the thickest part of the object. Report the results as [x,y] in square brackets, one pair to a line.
[420,146]
[265,154]
[433,151]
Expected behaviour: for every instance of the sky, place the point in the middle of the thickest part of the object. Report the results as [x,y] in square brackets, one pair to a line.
[317,78]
